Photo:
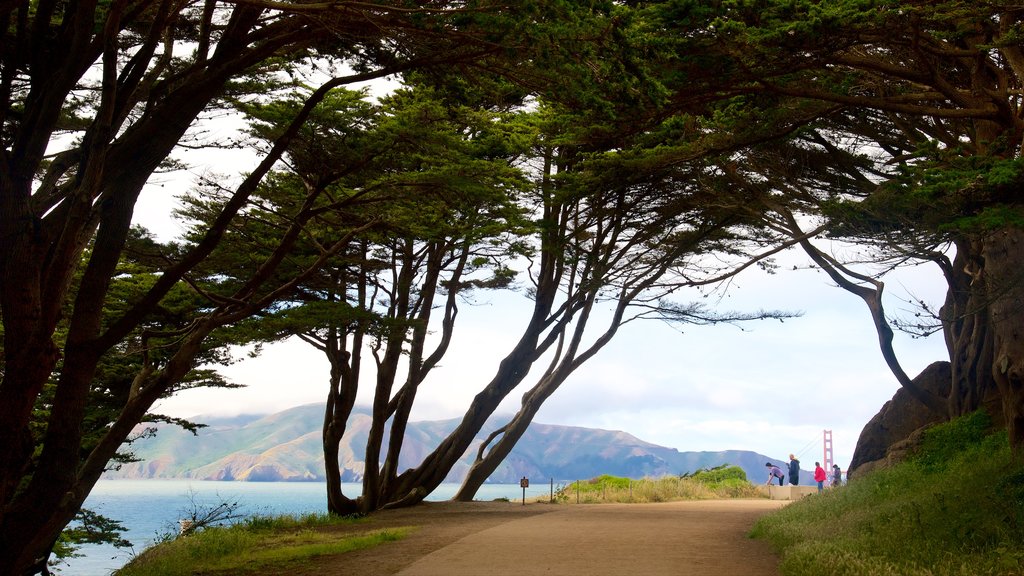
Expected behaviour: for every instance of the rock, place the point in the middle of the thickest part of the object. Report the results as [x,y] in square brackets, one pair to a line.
[890,435]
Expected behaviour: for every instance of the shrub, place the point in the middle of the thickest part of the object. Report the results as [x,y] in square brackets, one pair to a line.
[718,474]
[721,482]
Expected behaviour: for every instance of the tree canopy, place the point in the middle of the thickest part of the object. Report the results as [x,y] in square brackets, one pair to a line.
[96,99]
[616,153]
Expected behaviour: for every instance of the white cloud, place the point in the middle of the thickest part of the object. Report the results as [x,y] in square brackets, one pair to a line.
[285,375]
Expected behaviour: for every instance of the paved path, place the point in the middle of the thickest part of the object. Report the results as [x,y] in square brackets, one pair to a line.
[692,538]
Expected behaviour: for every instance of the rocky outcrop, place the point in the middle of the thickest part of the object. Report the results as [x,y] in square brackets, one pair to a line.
[890,435]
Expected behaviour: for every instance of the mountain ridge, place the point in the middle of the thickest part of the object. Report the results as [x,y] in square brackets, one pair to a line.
[286,446]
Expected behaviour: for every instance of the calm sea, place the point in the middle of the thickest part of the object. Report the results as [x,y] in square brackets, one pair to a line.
[148,508]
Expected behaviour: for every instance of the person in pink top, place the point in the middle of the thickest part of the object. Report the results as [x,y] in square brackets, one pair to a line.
[819,476]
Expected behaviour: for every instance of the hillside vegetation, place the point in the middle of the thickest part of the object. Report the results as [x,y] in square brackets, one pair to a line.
[955,509]
[288,446]
[719,482]
[253,546]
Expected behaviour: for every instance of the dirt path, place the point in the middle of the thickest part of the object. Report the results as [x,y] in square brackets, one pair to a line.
[497,538]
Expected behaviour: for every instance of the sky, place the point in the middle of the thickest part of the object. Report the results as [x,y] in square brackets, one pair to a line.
[768,386]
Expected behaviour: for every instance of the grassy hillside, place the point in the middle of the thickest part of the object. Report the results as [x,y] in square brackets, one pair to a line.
[955,509]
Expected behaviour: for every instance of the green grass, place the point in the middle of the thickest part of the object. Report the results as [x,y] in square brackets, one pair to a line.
[954,509]
[255,544]
[721,482]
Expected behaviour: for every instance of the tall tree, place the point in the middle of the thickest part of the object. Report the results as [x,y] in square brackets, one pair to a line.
[618,243]
[95,97]
[429,215]
[925,97]
[932,91]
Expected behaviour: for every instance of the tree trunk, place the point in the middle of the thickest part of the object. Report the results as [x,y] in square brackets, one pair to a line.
[401,407]
[1003,258]
[340,401]
[965,325]
[484,466]
[35,518]
[511,372]
[562,367]
[387,371]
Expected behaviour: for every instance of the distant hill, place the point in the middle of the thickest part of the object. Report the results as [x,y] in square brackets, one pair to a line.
[286,446]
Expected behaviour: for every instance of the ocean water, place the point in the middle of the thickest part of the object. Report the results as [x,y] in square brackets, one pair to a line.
[148,508]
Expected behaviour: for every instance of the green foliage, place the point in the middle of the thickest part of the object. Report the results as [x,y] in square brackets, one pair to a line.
[266,522]
[146,347]
[116,372]
[944,444]
[956,509]
[416,167]
[991,218]
[720,482]
[945,194]
[88,527]
[603,481]
[258,543]
[718,474]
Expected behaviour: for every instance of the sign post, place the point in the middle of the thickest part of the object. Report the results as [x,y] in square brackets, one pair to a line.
[524,484]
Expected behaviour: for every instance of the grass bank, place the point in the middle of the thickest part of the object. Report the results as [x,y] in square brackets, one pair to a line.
[255,544]
[720,482]
[955,509]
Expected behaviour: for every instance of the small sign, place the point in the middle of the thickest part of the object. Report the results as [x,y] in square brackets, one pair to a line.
[524,483]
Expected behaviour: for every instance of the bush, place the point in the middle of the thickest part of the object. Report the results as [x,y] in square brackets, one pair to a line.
[721,482]
[718,474]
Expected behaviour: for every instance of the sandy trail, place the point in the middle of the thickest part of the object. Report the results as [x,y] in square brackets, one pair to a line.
[501,538]
[707,537]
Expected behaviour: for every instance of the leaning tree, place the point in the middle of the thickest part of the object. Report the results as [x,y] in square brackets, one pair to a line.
[422,191]
[96,98]
[932,94]
[621,239]
[919,107]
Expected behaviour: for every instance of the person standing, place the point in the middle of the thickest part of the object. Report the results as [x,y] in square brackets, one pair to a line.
[794,470]
[774,472]
[837,476]
[819,476]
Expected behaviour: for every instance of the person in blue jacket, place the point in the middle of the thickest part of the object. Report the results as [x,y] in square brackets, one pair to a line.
[794,470]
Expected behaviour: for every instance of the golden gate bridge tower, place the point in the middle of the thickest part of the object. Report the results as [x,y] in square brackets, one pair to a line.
[826,461]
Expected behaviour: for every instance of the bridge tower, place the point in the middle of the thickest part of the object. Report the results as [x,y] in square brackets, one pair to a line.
[827,460]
